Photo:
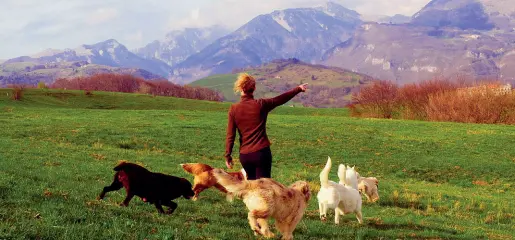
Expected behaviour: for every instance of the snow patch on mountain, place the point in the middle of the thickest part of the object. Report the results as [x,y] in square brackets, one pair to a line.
[279,18]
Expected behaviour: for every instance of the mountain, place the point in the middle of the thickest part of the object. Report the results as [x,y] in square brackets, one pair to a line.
[303,33]
[180,44]
[468,14]
[31,73]
[395,19]
[328,86]
[406,53]
[109,53]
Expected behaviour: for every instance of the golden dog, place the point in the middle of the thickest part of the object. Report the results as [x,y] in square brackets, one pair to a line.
[368,186]
[204,179]
[266,198]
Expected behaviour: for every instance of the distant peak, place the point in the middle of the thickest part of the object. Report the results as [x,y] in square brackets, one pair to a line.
[111,41]
[337,10]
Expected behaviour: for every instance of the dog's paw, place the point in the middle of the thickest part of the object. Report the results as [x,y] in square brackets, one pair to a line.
[257,232]
[269,234]
[323,218]
[229,198]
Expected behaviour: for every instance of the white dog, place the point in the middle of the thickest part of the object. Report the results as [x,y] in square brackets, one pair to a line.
[348,176]
[343,199]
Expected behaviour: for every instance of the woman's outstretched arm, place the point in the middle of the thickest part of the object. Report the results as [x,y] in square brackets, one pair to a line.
[270,103]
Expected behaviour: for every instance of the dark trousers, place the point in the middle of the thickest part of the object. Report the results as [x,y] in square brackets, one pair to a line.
[257,164]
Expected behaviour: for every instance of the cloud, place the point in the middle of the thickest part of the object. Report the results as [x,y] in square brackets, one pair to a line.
[134,37]
[29,26]
[102,15]
[234,13]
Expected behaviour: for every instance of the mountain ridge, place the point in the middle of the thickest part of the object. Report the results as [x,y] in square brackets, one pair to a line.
[180,44]
[303,33]
[109,53]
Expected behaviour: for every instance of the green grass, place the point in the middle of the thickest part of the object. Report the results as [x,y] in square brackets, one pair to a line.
[57,150]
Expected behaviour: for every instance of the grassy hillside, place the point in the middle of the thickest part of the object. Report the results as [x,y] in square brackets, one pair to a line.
[57,151]
[222,83]
[329,87]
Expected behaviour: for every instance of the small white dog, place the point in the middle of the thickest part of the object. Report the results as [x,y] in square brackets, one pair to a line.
[343,199]
[348,176]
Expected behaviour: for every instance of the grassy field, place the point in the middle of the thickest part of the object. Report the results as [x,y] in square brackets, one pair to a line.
[57,151]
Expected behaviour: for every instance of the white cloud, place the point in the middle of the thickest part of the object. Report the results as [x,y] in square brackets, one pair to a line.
[102,15]
[234,13]
[134,37]
[29,26]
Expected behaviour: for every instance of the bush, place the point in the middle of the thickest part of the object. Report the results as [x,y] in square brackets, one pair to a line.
[413,98]
[130,84]
[17,92]
[42,85]
[376,100]
[436,100]
[488,108]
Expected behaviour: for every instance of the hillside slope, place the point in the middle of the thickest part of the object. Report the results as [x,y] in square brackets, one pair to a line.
[468,14]
[406,53]
[328,86]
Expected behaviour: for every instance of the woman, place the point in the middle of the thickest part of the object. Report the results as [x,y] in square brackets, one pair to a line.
[249,117]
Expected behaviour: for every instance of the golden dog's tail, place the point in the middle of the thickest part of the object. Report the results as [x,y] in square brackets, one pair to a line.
[196,168]
[324,174]
[230,183]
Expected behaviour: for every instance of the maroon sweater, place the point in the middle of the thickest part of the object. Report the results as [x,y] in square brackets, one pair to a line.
[249,118]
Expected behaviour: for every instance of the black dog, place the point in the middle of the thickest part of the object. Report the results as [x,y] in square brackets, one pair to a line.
[155,188]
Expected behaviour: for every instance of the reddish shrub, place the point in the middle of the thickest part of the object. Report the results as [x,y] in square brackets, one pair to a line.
[413,98]
[17,91]
[437,100]
[130,84]
[375,100]
[487,107]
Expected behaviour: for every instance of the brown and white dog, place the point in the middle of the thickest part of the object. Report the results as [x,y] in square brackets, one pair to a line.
[266,198]
[204,179]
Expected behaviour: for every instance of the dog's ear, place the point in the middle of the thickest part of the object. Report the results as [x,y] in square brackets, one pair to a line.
[376,181]
[303,187]
[306,191]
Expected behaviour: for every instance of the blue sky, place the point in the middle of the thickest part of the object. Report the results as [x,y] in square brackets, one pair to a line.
[31,26]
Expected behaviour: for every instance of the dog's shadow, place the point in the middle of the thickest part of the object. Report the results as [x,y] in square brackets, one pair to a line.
[404,226]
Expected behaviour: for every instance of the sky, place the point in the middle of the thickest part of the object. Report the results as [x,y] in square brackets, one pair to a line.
[31,26]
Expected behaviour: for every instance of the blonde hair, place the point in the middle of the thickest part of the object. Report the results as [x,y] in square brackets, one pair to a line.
[245,84]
